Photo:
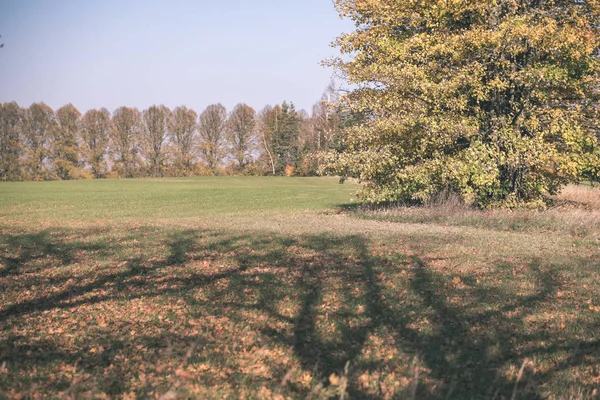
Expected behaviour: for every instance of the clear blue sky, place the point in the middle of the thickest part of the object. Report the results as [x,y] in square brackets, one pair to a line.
[108,53]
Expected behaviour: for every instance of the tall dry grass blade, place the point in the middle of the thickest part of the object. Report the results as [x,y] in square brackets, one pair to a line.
[519,376]
[451,389]
[416,382]
[344,384]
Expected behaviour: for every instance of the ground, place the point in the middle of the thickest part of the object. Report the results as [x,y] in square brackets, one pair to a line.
[282,288]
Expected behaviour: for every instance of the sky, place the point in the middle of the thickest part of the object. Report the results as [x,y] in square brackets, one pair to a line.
[110,53]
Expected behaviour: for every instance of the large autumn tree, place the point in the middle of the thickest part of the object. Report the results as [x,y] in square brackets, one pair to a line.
[490,99]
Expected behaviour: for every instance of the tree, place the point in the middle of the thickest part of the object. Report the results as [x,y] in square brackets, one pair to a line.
[10,142]
[154,137]
[325,120]
[95,134]
[286,148]
[306,130]
[211,128]
[65,150]
[268,124]
[486,99]
[38,124]
[125,141]
[242,133]
[184,139]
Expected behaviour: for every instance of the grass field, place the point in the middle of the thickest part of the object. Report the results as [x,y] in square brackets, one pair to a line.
[276,288]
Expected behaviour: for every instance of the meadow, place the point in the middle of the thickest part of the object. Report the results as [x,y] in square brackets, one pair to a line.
[277,288]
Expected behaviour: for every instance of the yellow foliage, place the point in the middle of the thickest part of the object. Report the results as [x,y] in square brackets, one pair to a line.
[289,170]
[491,100]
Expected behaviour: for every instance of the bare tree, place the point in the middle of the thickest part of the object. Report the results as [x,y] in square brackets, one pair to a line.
[211,129]
[124,140]
[183,134]
[95,134]
[326,120]
[242,133]
[154,138]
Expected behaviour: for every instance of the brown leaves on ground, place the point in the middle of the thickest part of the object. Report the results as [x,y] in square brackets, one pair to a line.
[166,313]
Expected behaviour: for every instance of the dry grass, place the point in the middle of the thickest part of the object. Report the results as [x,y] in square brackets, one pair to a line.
[580,196]
[576,212]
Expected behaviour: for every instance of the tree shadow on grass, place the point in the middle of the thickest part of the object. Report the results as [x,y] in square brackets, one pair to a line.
[330,300]
[32,247]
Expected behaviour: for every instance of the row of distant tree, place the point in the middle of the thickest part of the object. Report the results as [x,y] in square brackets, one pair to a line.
[38,143]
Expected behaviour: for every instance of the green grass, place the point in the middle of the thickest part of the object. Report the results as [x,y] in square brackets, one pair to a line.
[261,287]
[168,198]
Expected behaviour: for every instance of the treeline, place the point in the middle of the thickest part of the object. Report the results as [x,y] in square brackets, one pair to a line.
[38,143]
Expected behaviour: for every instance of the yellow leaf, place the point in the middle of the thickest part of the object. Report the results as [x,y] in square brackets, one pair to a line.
[334,379]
